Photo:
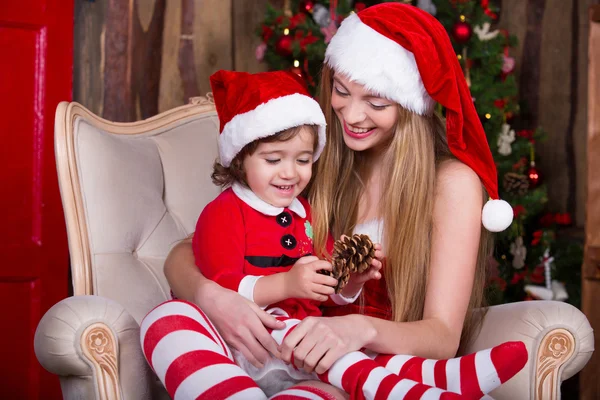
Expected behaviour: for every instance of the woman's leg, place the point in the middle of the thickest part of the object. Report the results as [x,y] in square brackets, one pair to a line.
[190,357]
[363,378]
[473,375]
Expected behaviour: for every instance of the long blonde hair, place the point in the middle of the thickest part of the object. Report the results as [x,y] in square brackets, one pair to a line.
[412,158]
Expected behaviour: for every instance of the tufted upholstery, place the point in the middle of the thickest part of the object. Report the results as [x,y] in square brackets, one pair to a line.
[163,181]
[130,191]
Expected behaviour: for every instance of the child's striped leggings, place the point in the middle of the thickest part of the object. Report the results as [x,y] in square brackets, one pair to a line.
[193,362]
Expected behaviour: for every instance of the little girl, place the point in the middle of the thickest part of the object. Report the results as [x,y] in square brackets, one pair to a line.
[254,239]
[255,236]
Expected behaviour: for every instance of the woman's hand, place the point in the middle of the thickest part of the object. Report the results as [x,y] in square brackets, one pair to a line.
[240,322]
[318,342]
[356,281]
[303,281]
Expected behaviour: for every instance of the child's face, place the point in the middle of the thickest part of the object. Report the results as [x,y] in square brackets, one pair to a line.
[277,172]
[367,121]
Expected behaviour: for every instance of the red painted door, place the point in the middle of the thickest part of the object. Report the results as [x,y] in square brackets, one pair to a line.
[36,62]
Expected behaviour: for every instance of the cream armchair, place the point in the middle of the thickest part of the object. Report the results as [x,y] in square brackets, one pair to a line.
[132,190]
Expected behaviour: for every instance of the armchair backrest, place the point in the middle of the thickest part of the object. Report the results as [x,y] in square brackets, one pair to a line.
[130,191]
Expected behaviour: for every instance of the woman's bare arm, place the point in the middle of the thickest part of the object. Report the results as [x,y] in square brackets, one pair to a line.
[184,277]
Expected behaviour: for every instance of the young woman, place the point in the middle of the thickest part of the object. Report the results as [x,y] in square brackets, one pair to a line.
[389,169]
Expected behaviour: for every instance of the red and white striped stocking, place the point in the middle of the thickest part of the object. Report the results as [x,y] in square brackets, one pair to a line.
[363,378]
[473,375]
[302,393]
[190,357]
[193,362]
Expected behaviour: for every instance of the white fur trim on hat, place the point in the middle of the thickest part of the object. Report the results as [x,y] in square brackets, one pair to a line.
[497,215]
[383,66]
[274,116]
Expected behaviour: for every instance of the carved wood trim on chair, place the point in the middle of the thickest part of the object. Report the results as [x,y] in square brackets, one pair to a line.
[556,349]
[100,347]
[66,162]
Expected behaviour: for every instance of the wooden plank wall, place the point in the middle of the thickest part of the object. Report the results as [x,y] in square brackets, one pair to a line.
[134,58]
[590,384]
[551,66]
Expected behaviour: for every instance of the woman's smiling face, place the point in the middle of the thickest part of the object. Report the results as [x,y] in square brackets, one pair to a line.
[368,121]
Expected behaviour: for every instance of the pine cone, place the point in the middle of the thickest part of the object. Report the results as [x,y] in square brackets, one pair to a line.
[350,255]
[515,183]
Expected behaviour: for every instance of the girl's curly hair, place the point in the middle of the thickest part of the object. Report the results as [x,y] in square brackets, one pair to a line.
[226,176]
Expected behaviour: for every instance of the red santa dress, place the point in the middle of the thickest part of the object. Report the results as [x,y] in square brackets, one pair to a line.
[240,238]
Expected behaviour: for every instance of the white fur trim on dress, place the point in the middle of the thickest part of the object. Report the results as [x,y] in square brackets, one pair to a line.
[246,287]
[274,116]
[342,300]
[383,66]
[249,197]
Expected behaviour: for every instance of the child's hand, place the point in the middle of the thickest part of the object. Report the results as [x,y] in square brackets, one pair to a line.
[304,282]
[357,280]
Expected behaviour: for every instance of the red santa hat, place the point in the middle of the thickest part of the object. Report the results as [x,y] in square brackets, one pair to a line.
[255,106]
[404,54]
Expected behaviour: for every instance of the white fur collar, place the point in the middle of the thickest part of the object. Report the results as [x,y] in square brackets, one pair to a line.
[250,198]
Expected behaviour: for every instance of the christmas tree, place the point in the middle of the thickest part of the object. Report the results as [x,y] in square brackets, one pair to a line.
[531,260]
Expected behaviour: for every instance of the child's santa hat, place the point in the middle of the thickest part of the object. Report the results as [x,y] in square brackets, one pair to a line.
[404,54]
[255,106]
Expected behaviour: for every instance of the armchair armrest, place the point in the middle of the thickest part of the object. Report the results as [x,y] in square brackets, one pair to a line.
[93,344]
[559,339]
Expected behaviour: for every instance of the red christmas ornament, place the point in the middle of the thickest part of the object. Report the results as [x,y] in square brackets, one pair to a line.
[461,32]
[307,6]
[534,175]
[500,103]
[283,47]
